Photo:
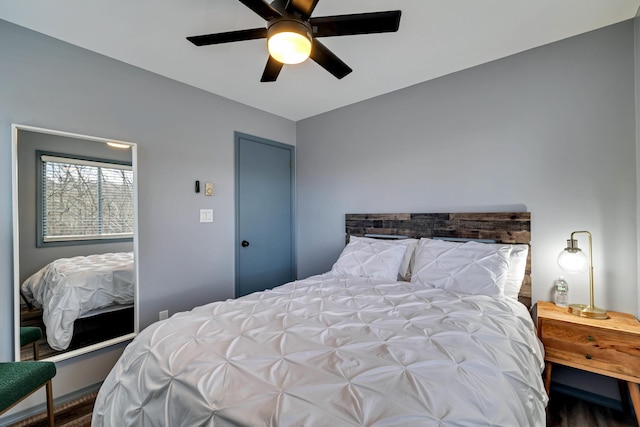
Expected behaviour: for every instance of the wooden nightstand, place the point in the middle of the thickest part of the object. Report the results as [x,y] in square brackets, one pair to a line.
[608,347]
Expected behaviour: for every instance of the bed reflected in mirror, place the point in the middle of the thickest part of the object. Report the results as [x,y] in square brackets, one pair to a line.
[75,275]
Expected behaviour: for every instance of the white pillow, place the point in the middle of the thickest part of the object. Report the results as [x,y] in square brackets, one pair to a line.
[377,259]
[407,261]
[470,267]
[517,268]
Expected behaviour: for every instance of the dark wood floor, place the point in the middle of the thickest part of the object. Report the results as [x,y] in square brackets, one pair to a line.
[76,413]
[567,411]
[564,411]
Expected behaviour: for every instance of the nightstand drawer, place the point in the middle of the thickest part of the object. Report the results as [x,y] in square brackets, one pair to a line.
[588,347]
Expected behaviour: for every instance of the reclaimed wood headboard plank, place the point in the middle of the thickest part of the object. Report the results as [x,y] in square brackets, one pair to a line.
[503,227]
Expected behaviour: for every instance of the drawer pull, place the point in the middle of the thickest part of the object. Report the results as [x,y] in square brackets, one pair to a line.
[590,338]
[587,356]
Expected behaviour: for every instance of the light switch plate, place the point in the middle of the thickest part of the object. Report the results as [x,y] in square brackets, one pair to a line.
[206,215]
[208,188]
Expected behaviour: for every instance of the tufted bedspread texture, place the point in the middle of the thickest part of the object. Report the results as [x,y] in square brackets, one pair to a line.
[69,288]
[333,351]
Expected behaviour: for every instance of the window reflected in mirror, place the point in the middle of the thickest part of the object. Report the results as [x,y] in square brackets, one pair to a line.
[83,199]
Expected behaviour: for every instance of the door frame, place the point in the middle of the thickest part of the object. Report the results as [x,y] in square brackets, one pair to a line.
[236,151]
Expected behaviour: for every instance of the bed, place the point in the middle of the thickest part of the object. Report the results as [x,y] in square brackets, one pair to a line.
[80,287]
[408,331]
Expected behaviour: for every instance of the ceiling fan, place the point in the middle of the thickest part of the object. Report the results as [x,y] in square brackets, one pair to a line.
[292,34]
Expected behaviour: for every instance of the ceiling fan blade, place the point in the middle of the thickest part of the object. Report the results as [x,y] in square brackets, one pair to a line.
[265,10]
[271,70]
[280,5]
[359,23]
[231,36]
[303,7]
[328,60]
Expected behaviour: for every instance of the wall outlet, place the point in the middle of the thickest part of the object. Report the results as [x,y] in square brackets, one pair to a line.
[164,314]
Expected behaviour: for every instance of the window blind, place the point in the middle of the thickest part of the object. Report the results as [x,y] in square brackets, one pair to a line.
[85,199]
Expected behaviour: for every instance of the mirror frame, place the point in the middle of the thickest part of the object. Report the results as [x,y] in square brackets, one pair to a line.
[15,128]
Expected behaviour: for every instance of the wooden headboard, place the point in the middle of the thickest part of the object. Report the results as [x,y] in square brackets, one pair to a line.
[501,227]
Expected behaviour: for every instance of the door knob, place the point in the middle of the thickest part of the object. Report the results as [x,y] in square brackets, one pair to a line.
[244,243]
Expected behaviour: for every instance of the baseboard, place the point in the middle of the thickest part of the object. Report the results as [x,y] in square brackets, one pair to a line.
[587,396]
[40,408]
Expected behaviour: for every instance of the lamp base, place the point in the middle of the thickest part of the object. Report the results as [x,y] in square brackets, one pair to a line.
[585,310]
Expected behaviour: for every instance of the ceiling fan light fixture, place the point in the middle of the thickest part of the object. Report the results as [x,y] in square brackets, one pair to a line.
[289,41]
[292,34]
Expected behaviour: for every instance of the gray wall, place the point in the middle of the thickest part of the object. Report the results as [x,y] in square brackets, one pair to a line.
[550,130]
[183,134]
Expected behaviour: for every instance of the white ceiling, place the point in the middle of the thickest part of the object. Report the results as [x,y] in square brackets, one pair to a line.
[436,37]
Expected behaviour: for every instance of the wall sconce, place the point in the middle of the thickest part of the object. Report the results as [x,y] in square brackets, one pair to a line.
[573,260]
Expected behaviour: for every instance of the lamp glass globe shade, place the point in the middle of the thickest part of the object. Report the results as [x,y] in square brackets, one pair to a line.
[289,47]
[573,261]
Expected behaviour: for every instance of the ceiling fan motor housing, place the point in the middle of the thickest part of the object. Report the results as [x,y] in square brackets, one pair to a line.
[284,24]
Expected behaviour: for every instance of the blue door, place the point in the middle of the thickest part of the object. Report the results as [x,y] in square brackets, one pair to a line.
[264,214]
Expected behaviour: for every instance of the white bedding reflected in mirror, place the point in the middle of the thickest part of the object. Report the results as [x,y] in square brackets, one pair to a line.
[75,241]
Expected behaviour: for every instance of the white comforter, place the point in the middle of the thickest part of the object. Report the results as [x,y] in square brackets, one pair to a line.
[68,288]
[333,351]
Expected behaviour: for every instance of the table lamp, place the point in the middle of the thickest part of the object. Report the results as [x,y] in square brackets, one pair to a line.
[573,260]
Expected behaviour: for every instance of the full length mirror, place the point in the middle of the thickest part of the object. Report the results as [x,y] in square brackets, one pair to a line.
[74,241]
